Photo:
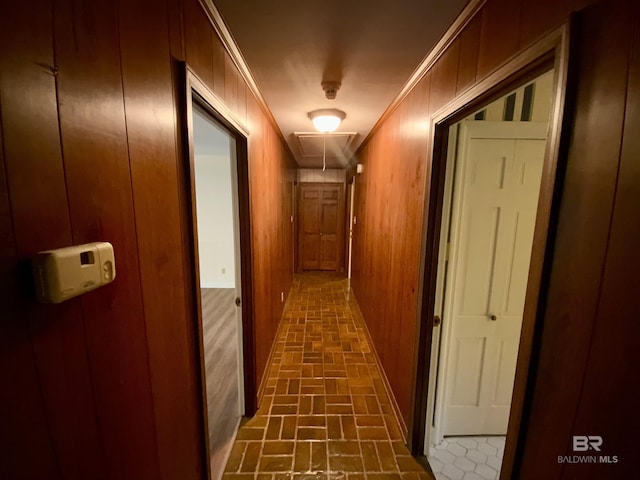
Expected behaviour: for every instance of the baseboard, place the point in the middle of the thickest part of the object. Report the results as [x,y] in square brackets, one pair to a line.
[265,374]
[387,386]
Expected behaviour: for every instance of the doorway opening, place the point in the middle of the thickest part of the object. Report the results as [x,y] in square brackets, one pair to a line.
[219,207]
[493,175]
[492,185]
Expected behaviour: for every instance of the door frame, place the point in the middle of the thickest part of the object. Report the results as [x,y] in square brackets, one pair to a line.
[341,224]
[552,51]
[195,91]
[350,195]
[434,385]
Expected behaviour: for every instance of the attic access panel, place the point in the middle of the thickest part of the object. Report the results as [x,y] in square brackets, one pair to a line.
[338,145]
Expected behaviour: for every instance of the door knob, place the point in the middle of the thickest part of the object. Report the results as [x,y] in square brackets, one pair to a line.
[437,321]
[493,318]
[238,301]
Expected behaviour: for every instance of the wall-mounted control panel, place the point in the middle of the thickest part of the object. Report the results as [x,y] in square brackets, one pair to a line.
[68,272]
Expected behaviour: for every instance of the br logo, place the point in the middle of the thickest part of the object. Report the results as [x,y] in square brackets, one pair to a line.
[583,443]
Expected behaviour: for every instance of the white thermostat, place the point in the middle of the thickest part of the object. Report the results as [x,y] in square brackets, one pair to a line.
[68,272]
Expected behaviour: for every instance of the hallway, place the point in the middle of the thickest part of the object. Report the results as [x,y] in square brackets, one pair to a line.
[325,411]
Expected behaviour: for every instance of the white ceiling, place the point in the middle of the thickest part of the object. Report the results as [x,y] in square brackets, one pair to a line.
[371,46]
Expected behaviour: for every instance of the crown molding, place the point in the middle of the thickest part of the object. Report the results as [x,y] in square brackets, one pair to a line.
[238,60]
[436,52]
[231,47]
[461,21]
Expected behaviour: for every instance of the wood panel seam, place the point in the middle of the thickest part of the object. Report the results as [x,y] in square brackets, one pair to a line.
[143,304]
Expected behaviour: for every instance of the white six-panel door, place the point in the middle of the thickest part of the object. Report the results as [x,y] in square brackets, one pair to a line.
[495,199]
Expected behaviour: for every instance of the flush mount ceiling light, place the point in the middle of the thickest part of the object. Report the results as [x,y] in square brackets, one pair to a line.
[327,120]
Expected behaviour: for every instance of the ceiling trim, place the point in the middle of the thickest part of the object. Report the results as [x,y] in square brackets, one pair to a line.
[231,47]
[461,21]
[238,60]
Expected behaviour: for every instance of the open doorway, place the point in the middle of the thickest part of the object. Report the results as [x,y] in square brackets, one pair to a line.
[492,186]
[218,184]
[495,158]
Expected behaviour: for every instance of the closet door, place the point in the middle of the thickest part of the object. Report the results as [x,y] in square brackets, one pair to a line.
[321,223]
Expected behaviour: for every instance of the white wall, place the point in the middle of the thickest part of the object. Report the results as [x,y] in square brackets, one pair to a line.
[317,175]
[215,221]
[540,108]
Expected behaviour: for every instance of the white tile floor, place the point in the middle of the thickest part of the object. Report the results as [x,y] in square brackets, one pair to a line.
[467,458]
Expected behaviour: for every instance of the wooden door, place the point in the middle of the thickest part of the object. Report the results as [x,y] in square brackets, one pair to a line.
[320,235]
[495,202]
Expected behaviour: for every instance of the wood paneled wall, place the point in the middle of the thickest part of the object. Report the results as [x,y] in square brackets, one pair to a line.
[272,174]
[588,363]
[585,377]
[107,385]
[387,234]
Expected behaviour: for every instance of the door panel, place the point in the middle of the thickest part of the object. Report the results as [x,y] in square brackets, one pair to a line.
[310,246]
[507,356]
[494,211]
[477,262]
[321,226]
[328,252]
[329,217]
[516,284]
[330,192]
[310,215]
[469,354]
[329,229]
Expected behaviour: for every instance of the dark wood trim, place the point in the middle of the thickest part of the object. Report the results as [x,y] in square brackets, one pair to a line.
[189,189]
[197,92]
[433,211]
[541,253]
[183,142]
[549,52]
[424,461]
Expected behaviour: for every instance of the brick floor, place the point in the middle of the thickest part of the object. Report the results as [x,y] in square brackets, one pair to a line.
[325,412]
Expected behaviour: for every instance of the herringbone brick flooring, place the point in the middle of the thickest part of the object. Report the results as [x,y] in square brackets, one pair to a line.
[325,412]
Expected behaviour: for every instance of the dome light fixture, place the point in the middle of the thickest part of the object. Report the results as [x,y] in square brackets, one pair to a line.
[327,120]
